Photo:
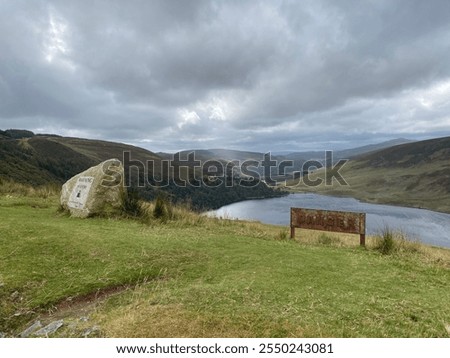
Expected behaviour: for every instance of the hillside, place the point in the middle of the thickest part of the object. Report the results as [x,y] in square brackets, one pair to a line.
[43,159]
[408,155]
[100,151]
[48,159]
[300,157]
[201,277]
[39,161]
[413,174]
[353,152]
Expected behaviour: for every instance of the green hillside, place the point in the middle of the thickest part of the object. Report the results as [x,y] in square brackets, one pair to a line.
[414,174]
[48,159]
[100,151]
[39,161]
[43,159]
[197,277]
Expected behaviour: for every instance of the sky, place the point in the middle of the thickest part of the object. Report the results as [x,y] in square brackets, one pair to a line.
[249,75]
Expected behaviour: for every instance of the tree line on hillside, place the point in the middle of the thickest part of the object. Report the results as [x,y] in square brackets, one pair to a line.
[205,197]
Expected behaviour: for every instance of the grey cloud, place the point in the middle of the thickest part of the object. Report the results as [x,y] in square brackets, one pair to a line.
[174,61]
[254,72]
[374,57]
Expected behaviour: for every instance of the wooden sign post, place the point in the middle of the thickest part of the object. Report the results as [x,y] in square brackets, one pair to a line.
[326,220]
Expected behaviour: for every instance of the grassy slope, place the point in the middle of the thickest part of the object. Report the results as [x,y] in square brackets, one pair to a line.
[415,174]
[37,161]
[48,159]
[99,150]
[204,277]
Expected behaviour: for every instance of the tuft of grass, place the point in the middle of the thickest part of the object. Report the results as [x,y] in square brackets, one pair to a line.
[161,210]
[171,214]
[132,206]
[333,240]
[282,235]
[386,244]
[390,242]
[325,239]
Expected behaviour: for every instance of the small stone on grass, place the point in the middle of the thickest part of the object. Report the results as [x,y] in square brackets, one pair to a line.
[50,329]
[30,330]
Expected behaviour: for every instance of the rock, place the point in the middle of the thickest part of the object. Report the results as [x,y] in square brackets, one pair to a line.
[90,331]
[49,329]
[97,190]
[30,330]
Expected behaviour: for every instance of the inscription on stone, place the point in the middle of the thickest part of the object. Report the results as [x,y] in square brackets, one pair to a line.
[80,192]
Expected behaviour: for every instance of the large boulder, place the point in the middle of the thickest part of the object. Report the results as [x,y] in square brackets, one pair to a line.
[96,191]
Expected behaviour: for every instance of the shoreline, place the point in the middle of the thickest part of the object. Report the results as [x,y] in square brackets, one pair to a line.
[429,227]
[368,201]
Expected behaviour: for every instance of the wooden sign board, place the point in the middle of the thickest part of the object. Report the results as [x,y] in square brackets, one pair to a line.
[326,220]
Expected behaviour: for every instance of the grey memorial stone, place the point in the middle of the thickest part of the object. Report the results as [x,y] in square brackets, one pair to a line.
[97,190]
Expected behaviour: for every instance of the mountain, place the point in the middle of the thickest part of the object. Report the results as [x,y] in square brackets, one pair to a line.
[99,150]
[226,155]
[42,159]
[16,134]
[409,155]
[230,155]
[350,153]
[346,153]
[298,158]
[413,174]
[48,159]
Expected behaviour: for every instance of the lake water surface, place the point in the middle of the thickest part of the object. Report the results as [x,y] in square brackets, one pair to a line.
[424,225]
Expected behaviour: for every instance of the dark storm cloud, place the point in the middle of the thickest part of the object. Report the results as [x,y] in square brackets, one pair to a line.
[177,74]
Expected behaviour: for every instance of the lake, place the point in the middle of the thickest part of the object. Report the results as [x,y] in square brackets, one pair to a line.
[427,226]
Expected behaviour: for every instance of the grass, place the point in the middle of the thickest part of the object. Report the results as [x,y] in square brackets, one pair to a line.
[11,188]
[193,276]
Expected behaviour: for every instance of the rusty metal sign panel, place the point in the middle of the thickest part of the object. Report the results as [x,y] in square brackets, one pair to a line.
[326,220]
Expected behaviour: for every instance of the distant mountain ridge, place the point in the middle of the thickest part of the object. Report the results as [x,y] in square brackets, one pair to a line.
[41,158]
[229,155]
[351,153]
[409,154]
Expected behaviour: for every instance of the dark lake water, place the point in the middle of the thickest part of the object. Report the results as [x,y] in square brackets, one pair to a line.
[427,226]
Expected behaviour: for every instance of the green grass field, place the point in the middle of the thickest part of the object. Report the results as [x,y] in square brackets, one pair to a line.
[200,277]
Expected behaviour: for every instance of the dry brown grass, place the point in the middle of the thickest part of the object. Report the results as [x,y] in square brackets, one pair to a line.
[8,187]
[141,319]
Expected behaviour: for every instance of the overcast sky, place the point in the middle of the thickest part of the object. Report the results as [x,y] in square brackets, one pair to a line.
[254,75]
